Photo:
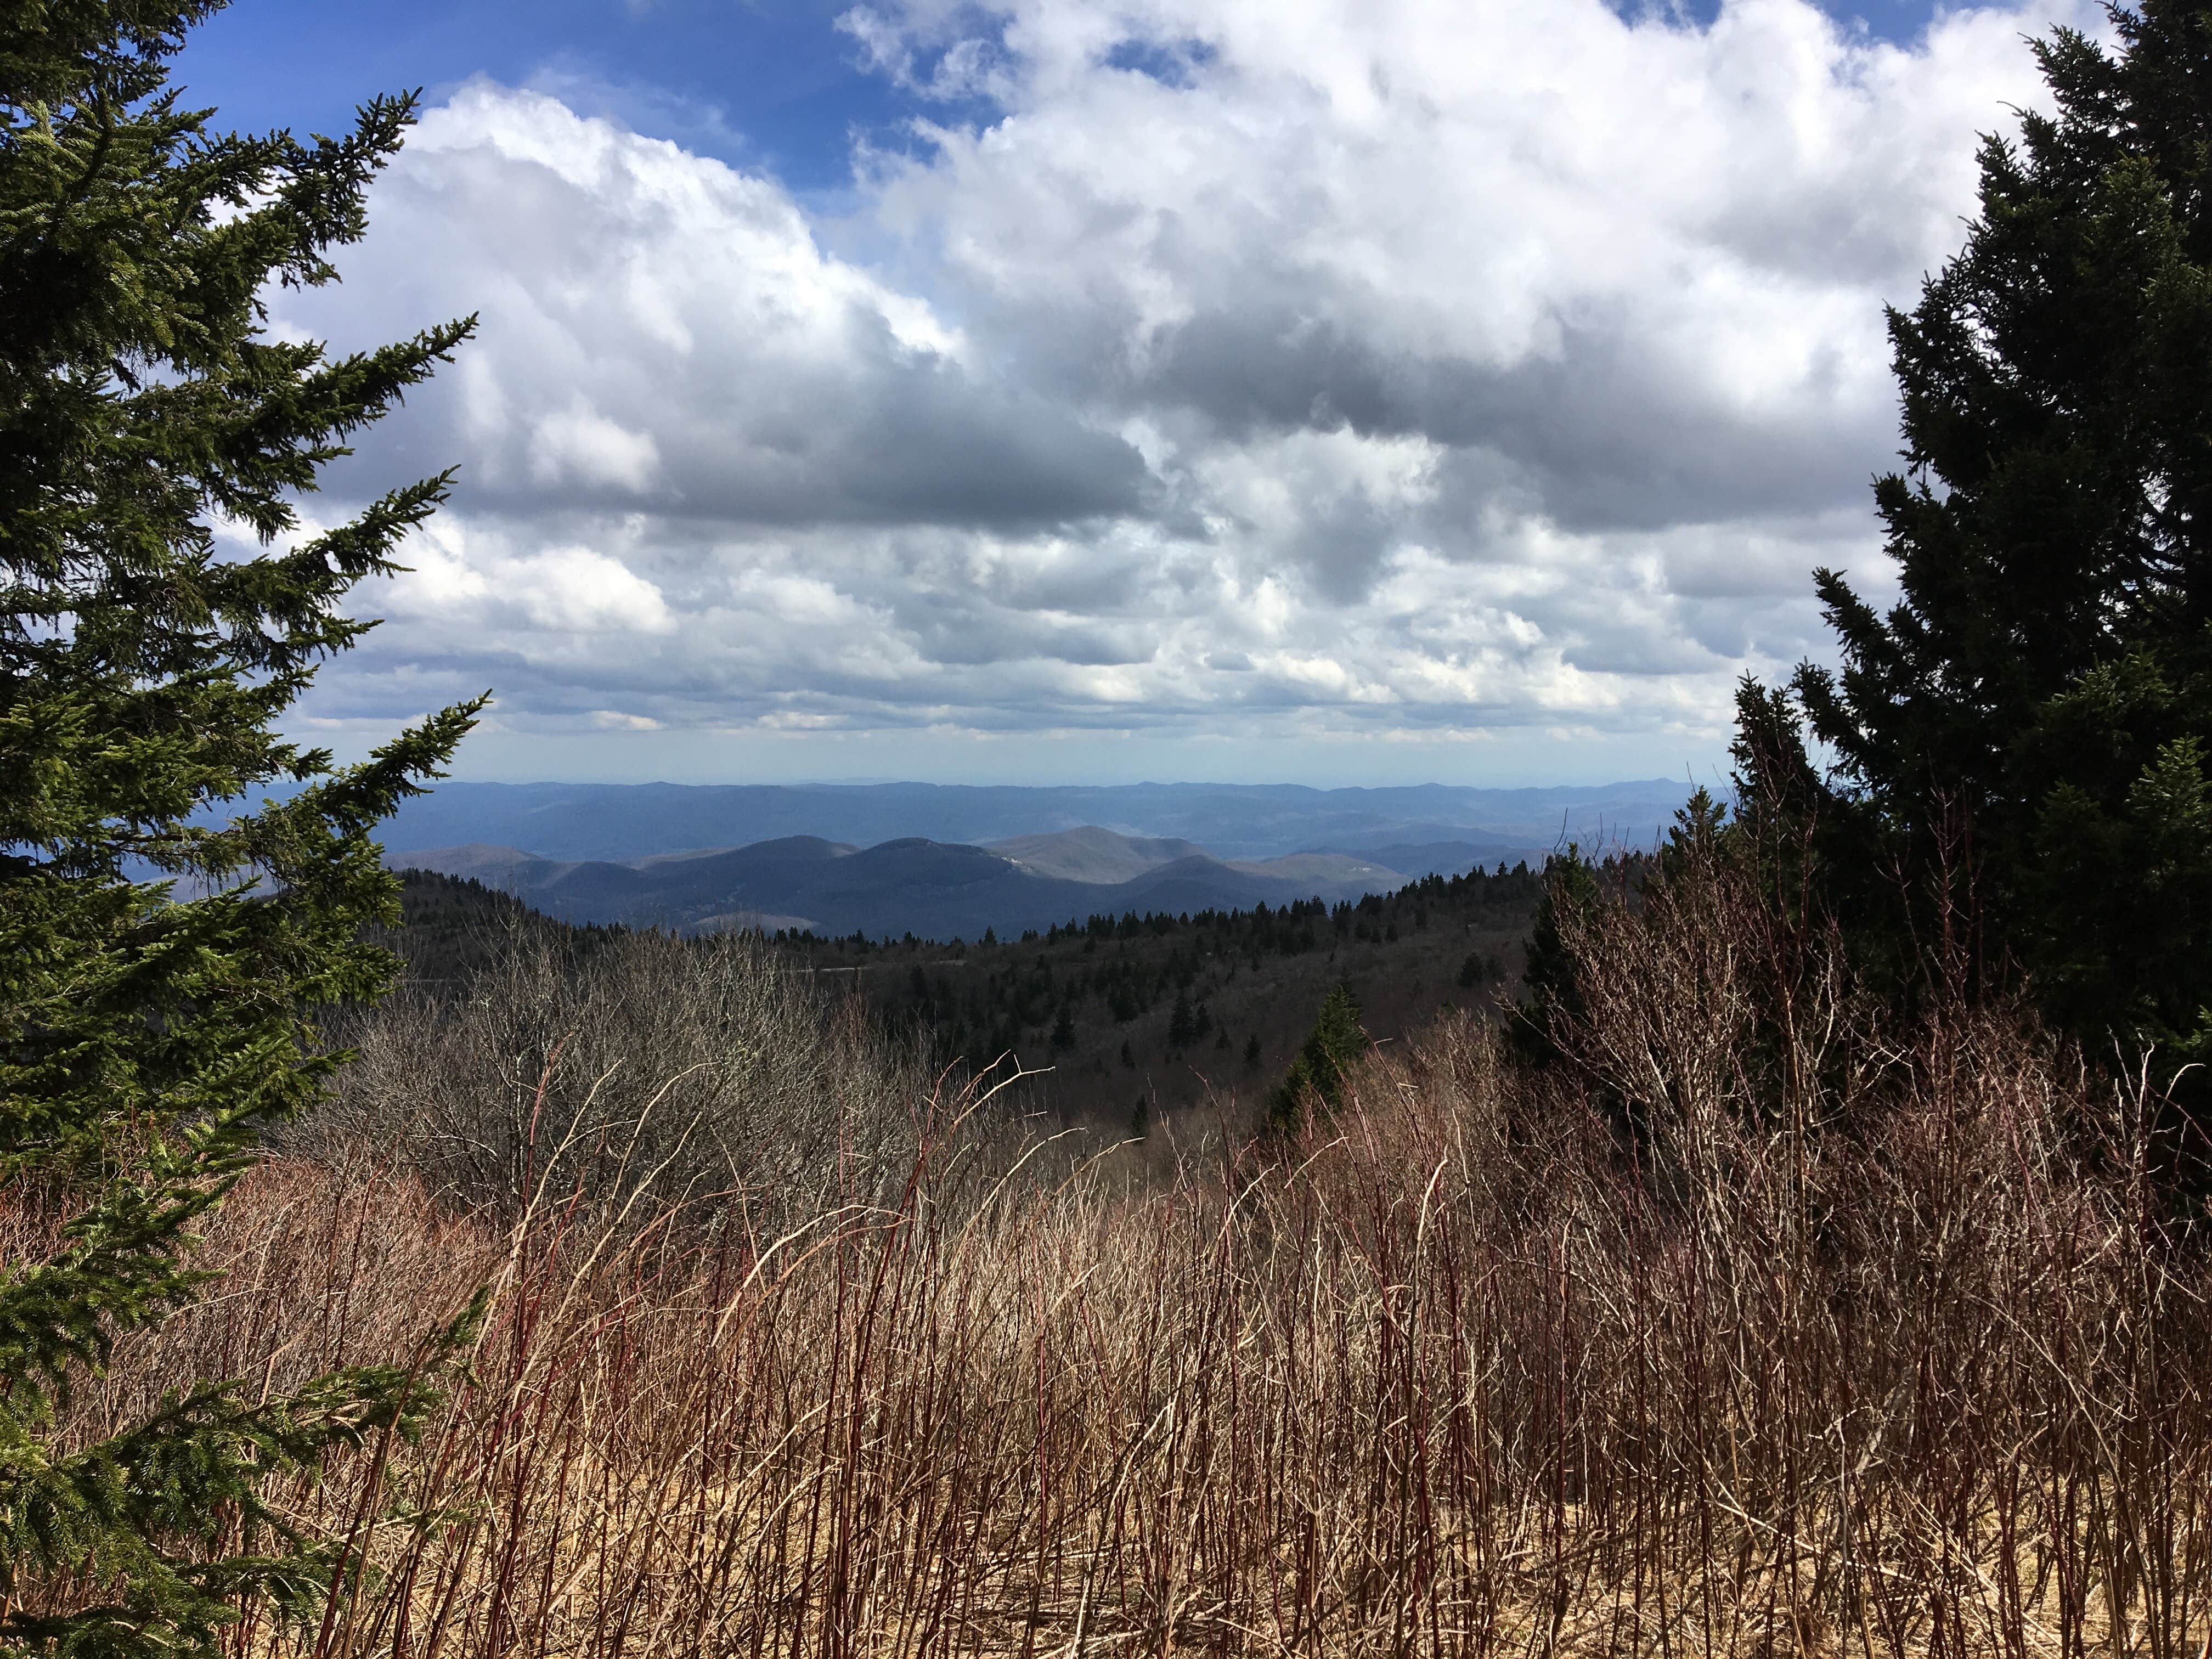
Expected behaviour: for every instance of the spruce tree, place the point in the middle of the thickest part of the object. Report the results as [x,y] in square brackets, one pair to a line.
[180,887]
[1183,1027]
[1318,1071]
[2022,739]
[1570,886]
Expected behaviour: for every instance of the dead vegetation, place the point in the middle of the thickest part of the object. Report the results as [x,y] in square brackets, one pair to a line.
[1763,1326]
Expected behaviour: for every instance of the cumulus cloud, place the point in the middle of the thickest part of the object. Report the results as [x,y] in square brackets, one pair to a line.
[1246,368]
[661,330]
[1639,265]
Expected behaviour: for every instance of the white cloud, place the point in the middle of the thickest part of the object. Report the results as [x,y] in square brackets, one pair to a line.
[655,322]
[575,444]
[1306,368]
[466,583]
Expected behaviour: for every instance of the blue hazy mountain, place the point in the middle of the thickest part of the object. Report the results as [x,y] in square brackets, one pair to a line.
[938,889]
[623,823]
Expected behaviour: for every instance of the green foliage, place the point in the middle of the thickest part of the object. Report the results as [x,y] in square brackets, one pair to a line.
[2020,742]
[1317,1072]
[158,967]
[1570,884]
[1698,826]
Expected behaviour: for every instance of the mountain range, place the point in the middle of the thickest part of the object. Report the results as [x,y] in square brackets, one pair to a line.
[625,823]
[933,889]
[648,855]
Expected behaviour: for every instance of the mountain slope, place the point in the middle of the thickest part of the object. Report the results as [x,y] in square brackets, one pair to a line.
[1092,853]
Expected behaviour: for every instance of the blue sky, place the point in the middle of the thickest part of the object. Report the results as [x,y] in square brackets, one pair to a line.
[768,83]
[773,85]
[1320,391]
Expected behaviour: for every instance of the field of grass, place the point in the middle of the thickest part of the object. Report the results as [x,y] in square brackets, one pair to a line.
[1737,1331]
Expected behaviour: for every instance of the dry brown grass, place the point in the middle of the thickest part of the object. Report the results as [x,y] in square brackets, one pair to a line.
[1741,1335]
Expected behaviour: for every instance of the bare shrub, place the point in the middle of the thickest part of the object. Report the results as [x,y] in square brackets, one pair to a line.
[648,1071]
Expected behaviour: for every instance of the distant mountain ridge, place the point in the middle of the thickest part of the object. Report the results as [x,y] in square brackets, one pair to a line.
[625,823]
[912,884]
[1093,854]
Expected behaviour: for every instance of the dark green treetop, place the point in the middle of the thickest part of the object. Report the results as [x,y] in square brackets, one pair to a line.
[1317,1072]
[160,963]
[1570,885]
[2020,742]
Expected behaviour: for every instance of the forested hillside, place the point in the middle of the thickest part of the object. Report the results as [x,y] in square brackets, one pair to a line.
[1129,1017]
[1140,1015]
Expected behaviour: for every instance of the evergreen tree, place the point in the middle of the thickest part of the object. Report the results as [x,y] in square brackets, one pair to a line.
[2024,737]
[180,886]
[1569,884]
[1182,1029]
[1337,1039]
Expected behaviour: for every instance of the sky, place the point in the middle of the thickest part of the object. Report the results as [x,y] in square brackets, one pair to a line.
[1334,391]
